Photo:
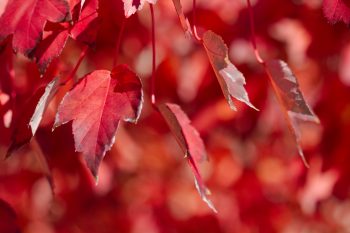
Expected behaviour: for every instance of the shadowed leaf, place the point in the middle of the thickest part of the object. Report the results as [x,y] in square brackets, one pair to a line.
[293,103]
[189,141]
[230,79]
[50,48]
[85,29]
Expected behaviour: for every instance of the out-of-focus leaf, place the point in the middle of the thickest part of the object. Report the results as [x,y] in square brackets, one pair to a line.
[230,79]
[50,91]
[183,20]
[50,48]
[21,134]
[85,29]
[6,70]
[26,20]
[286,87]
[8,222]
[131,6]
[337,10]
[189,141]
[96,105]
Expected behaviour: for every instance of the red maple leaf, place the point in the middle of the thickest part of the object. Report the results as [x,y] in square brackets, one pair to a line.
[190,142]
[286,87]
[230,79]
[26,21]
[96,105]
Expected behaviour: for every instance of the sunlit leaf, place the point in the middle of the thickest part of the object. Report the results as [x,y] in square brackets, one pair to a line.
[96,105]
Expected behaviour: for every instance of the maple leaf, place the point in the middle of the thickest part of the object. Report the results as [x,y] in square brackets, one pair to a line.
[230,79]
[337,11]
[96,105]
[26,21]
[85,29]
[50,48]
[21,134]
[287,90]
[190,142]
[131,6]
[183,20]
[50,91]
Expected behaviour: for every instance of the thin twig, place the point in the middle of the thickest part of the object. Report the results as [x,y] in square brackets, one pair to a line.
[153,97]
[117,47]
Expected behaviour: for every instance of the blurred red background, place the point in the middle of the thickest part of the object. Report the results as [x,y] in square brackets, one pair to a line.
[257,180]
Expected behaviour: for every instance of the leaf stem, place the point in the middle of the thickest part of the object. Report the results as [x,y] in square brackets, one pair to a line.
[117,47]
[81,57]
[252,30]
[153,97]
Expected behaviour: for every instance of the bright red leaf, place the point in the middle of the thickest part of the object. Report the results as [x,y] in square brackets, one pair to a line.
[230,79]
[131,6]
[287,89]
[190,142]
[26,20]
[50,48]
[337,10]
[85,29]
[96,105]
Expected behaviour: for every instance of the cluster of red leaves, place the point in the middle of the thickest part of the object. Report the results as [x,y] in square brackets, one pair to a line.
[257,182]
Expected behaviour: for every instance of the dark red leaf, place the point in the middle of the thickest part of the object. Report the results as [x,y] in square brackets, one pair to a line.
[287,90]
[85,29]
[230,79]
[21,134]
[190,142]
[8,218]
[6,70]
[50,48]
[26,20]
[131,6]
[337,10]
[50,91]
[96,105]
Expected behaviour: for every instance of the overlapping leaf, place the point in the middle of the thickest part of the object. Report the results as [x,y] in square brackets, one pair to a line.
[287,89]
[189,141]
[21,134]
[230,79]
[50,91]
[337,10]
[50,48]
[131,6]
[85,29]
[26,20]
[96,105]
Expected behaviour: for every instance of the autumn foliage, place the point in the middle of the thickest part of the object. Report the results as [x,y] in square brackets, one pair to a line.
[174,116]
